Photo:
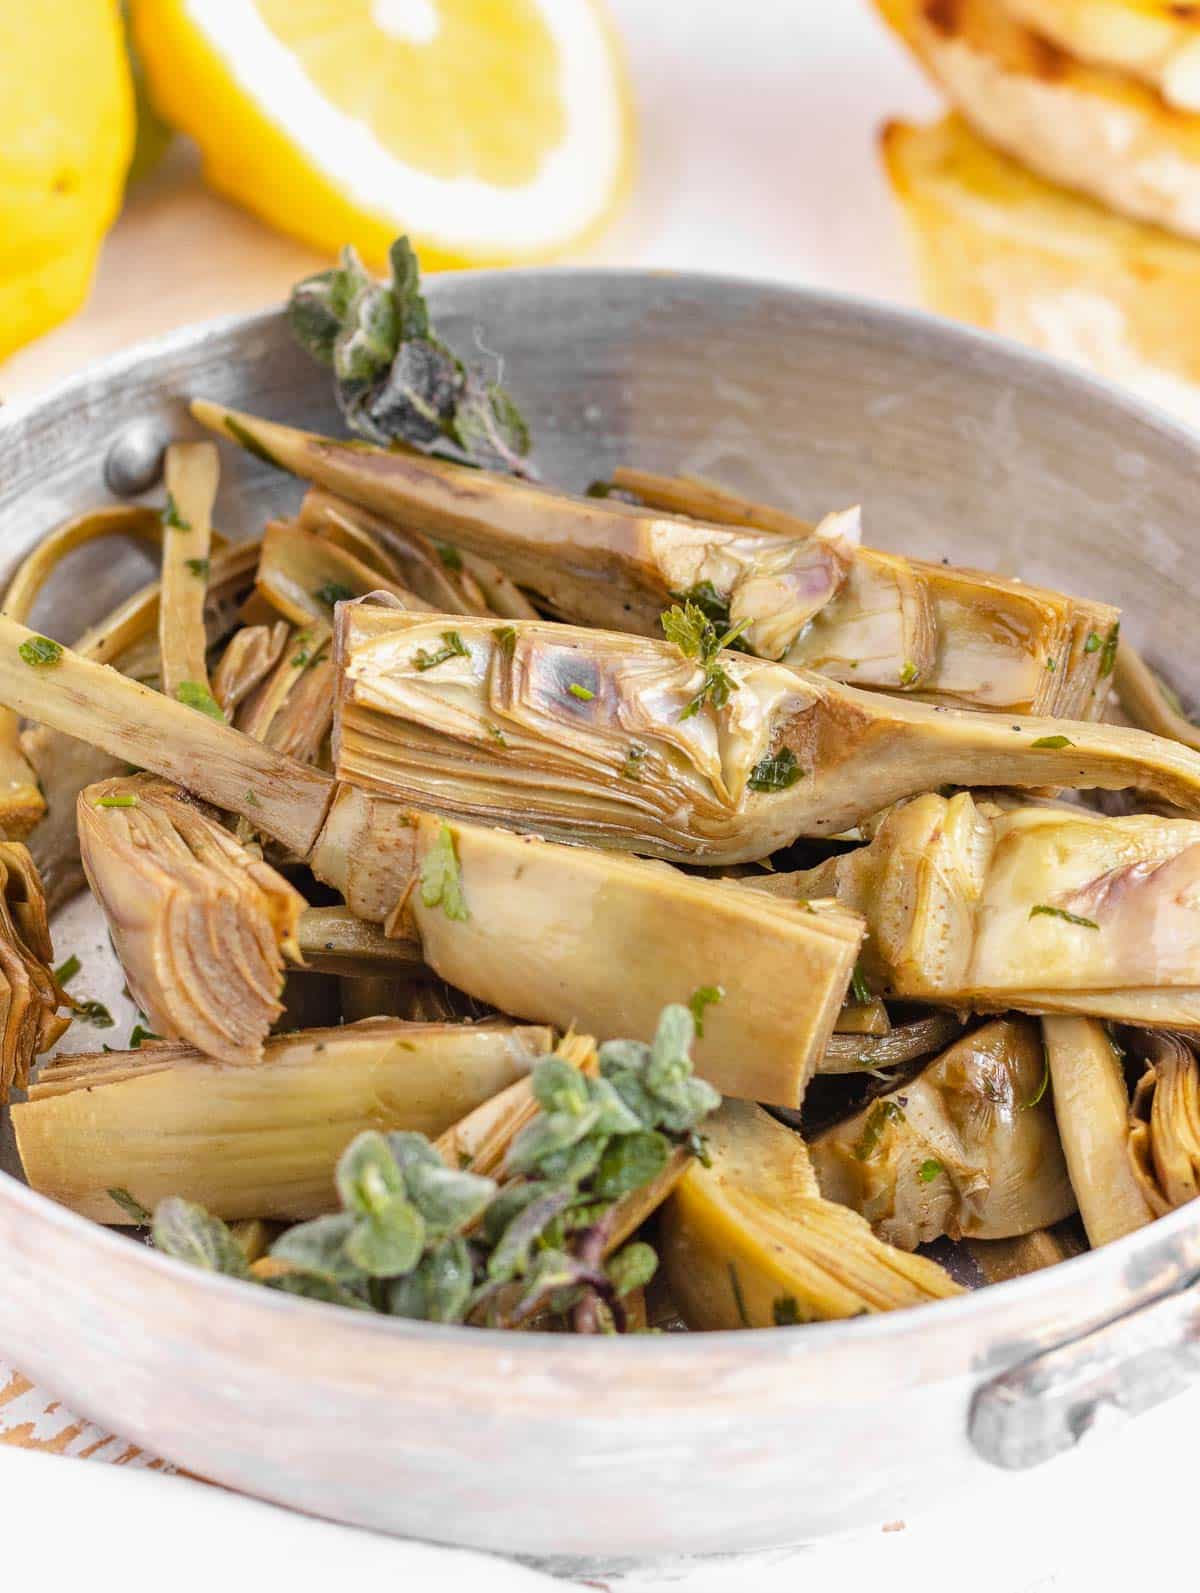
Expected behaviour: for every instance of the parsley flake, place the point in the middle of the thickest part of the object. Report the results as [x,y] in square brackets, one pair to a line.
[1053,743]
[1042,910]
[199,567]
[171,516]
[40,651]
[776,772]
[581,692]
[699,1000]
[334,592]
[194,694]
[698,639]
[441,878]
[452,646]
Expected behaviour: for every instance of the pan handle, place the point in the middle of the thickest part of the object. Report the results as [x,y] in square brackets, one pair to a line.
[1045,1405]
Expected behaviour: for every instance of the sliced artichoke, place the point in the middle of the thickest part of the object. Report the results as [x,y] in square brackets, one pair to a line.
[200,924]
[1091,1104]
[815,600]
[1042,908]
[620,740]
[967,1149]
[164,1120]
[192,471]
[29,993]
[749,1242]
[1164,1138]
[252,654]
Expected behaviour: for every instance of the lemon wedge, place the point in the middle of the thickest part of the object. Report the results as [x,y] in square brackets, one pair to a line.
[66,132]
[488,130]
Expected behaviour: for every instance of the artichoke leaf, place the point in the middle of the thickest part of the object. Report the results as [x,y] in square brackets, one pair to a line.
[1091,1104]
[200,924]
[251,655]
[29,992]
[1041,908]
[165,1120]
[590,735]
[192,471]
[1164,1135]
[901,627]
[967,1149]
[749,1241]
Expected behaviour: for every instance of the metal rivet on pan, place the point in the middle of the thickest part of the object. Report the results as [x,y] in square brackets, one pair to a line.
[134,460]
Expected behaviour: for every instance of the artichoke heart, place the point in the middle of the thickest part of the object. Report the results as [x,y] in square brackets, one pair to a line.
[620,739]
[165,1120]
[967,1149]
[199,923]
[749,1241]
[29,994]
[1164,1138]
[814,598]
[1042,908]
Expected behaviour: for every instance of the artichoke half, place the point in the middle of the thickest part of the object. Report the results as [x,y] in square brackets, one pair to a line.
[627,742]
[1041,908]
[748,1241]
[1164,1139]
[254,1142]
[29,992]
[967,1149]
[816,599]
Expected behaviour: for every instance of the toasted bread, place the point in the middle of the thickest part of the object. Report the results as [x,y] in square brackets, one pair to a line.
[1004,250]
[1098,131]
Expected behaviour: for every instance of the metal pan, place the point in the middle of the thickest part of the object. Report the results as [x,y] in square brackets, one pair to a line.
[955,444]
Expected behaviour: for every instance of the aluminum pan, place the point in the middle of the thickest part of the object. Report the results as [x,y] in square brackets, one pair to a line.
[956,444]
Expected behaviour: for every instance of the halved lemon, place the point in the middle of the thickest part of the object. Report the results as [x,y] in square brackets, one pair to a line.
[488,130]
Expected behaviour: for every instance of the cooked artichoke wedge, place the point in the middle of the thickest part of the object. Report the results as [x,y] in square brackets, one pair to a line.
[192,471]
[200,924]
[816,600]
[164,1120]
[1099,131]
[1091,1105]
[903,1043]
[29,993]
[1046,909]
[967,1149]
[749,1241]
[1164,1139]
[587,735]
[551,933]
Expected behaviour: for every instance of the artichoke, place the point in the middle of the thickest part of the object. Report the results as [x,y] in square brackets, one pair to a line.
[1041,908]
[672,748]
[816,599]
[967,1149]
[749,1241]
[200,924]
[1091,1104]
[165,1120]
[29,992]
[1164,1138]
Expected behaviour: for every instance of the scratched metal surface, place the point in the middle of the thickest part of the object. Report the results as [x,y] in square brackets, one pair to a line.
[955,445]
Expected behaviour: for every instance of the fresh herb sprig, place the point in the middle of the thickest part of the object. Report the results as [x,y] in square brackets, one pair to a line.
[395,380]
[415,1238]
[699,640]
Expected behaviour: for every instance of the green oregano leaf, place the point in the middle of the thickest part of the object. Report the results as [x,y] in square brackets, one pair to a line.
[187,1232]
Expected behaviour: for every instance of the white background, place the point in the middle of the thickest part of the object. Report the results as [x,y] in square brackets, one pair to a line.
[758,128]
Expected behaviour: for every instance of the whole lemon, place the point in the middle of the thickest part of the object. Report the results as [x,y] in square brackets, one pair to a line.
[66,137]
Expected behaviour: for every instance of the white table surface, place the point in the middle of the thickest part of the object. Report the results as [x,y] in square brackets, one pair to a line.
[758,126]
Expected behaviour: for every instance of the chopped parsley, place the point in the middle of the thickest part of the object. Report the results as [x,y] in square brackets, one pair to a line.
[67,970]
[859,988]
[1053,743]
[171,516]
[699,1000]
[1039,1094]
[1051,665]
[776,772]
[1042,910]
[1093,643]
[929,1170]
[1108,656]
[506,640]
[199,567]
[878,1118]
[251,800]
[140,1034]
[908,674]
[195,694]
[786,1311]
[95,1013]
[581,692]
[124,799]
[452,646]
[450,556]
[698,639]
[40,651]
[441,878]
